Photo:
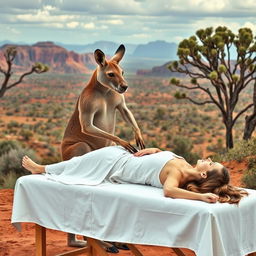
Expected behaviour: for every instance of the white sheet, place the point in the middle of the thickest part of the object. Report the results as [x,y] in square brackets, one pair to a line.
[137,214]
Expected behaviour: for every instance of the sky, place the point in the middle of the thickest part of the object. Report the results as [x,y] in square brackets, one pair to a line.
[121,21]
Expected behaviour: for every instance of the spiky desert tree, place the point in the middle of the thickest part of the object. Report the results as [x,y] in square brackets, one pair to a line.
[208,56]
[9,55]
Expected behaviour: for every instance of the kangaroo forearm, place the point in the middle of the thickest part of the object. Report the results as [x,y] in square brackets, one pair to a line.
[129,118]
[96,132]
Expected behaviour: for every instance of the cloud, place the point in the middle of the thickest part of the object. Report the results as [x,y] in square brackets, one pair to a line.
[141,35]
[90,25]
[53,25]
[250,25]
[114,22]
[72,24]
[44,15]
[131,20]
[24,4]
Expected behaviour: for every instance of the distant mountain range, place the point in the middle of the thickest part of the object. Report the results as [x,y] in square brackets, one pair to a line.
[157,49]
[79,58]
[161,71]
[56,57]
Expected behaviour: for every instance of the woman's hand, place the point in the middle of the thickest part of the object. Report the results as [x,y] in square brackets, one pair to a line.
[209,197]
[147,151]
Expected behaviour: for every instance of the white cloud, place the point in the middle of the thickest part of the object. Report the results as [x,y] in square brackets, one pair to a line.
[72,24]
[44,15]
[140,35]
[209,6]
[250,25]
[114,22]
[49,8]
[89,25]
[103,27]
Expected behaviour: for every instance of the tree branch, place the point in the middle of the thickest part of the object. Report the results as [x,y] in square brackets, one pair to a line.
[199,103]
[241,112]
[20,79]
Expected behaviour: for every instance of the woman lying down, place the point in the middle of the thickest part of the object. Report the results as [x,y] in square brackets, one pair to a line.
[208,181]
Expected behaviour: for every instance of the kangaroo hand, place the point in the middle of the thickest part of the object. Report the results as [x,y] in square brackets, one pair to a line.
[128,146]
[139,141]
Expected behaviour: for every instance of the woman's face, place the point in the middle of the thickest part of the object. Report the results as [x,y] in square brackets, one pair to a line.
[204,165]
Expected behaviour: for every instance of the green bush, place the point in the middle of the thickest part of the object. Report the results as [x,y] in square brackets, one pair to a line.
[10,162]
[249,178]
[183,146]
[241,150]
[7,145]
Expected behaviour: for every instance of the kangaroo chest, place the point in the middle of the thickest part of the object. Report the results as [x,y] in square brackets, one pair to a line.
[105,115]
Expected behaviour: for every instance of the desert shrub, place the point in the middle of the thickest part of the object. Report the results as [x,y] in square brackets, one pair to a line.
[26,134]
[218,147]
[7,145]
[10,163]
[160,113]
[9,180]
[249,178]
[241,150]
[198,140]
[13,124]
[152,144]
[126,133]
[183,146]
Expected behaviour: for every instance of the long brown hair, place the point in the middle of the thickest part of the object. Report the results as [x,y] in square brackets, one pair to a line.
[217,182]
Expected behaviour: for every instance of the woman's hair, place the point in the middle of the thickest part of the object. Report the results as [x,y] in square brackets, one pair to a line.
[217,182]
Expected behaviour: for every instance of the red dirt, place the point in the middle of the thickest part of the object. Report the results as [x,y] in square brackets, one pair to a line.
[22,243]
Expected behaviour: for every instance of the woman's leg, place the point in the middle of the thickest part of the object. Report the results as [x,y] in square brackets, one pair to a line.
[35,168]
[31,166]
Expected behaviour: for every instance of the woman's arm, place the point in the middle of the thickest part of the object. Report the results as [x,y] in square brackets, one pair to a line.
[171,189]
[147,151]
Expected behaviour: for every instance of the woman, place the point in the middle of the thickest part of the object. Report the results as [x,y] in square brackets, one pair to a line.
[208,181]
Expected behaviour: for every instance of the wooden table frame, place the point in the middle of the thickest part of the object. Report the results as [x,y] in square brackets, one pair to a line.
[93,248]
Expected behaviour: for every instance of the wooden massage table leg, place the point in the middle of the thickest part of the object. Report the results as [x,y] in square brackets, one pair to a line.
[252,254]
[41,245]
[40,240]
[94,246]
[178,252]
[134,250]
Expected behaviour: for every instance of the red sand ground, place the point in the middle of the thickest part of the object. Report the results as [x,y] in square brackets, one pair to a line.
[22,243]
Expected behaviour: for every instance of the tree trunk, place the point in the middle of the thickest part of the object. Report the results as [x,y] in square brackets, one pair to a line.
[229,137]
[250,124]
[2,92]
[250,121]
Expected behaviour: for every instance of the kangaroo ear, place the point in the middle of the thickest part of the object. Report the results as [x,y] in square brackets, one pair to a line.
[100,57]
[119,53]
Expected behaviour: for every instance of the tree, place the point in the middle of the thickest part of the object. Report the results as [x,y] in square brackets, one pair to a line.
[208,56]
[9,55]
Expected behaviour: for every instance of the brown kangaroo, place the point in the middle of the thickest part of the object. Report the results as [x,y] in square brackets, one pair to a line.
[92,123]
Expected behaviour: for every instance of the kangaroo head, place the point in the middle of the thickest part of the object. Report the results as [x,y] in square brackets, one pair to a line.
[109,73]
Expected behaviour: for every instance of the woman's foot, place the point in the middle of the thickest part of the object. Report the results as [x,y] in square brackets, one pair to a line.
[31,166]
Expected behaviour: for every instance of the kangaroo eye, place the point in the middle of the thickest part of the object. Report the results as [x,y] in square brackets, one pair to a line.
[111,74]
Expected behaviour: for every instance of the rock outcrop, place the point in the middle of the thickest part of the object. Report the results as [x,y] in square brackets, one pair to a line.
[56,57]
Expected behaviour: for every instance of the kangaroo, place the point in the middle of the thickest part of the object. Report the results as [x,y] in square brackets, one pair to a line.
[92,123]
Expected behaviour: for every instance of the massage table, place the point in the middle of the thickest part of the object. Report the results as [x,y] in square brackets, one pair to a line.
[134,214]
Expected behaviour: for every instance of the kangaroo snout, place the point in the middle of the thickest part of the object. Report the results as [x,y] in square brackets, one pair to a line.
[122,88]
